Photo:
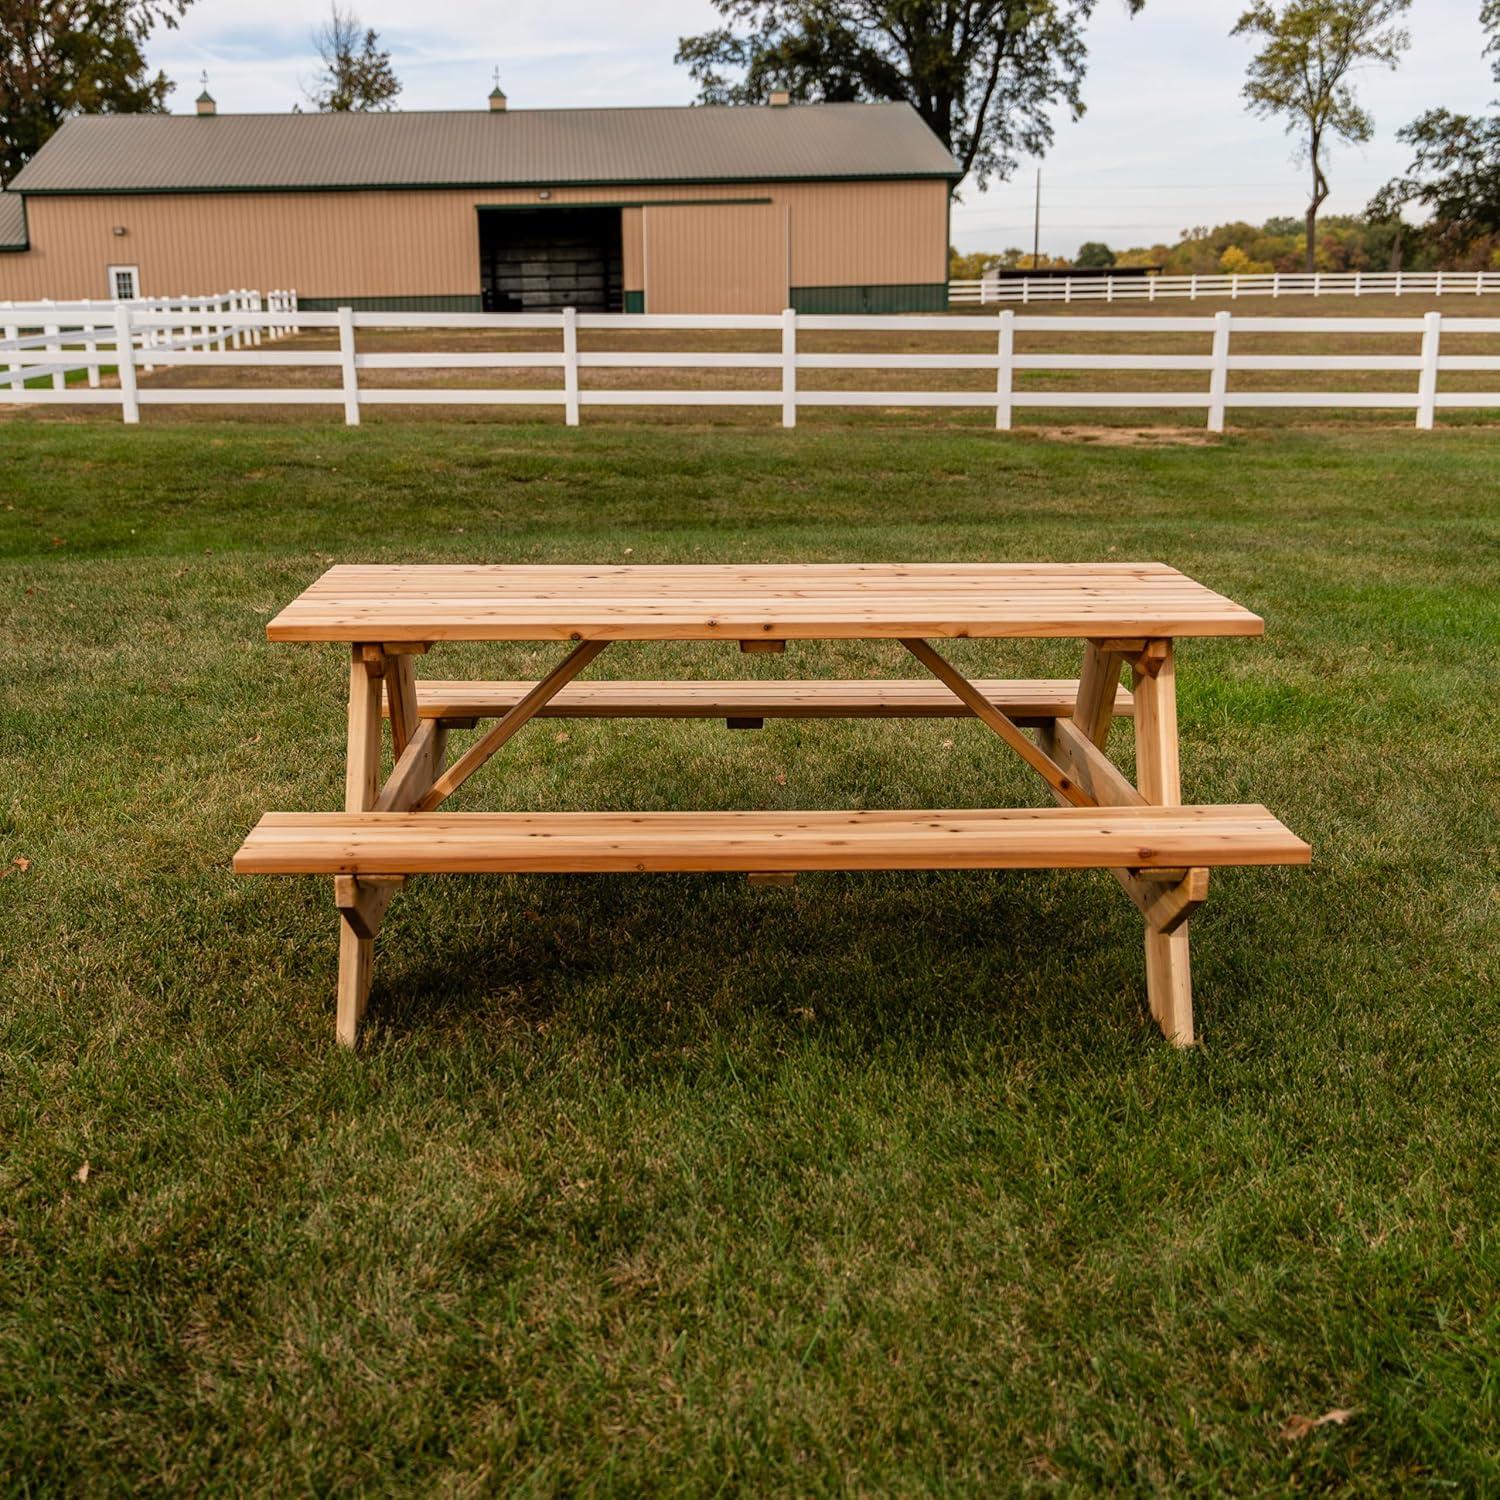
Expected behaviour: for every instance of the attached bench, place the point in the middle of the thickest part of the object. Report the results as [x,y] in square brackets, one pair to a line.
[1145,839]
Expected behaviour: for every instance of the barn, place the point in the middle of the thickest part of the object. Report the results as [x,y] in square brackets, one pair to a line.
[826,208]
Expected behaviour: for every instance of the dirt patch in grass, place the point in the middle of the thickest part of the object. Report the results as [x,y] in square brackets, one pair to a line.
[1128,437]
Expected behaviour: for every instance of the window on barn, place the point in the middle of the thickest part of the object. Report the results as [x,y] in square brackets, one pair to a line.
[124,283]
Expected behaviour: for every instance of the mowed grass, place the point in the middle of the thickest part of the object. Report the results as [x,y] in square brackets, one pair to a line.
[884,1184]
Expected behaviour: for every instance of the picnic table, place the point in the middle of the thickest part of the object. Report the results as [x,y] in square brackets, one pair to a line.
[1127,615]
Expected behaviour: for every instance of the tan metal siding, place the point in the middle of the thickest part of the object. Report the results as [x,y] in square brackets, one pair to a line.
[724,257]
[868,232]
[415,243]
[630,249]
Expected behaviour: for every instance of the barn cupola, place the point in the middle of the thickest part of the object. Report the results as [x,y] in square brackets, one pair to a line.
[205,100]
[497,96]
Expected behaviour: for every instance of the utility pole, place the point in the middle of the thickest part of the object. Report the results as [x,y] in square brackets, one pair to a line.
[1036,226]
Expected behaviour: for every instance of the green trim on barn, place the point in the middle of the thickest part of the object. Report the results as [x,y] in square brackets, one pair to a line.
[635,302]
[440,302]
[911,296]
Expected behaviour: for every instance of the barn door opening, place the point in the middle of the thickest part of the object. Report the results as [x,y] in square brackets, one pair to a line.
[534,260]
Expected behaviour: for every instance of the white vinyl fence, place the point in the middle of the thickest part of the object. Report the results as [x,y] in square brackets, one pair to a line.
[39,340]
[135,337]
[1105,288]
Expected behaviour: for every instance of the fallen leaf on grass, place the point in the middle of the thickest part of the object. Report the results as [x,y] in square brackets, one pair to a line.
[21,863]
[1299,1427]
[561,737]
[82,1174]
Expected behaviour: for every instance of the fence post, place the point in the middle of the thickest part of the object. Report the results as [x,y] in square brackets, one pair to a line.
[1193,288]
[347,366]
[54,357]
[1067,288]
[1437,286]
[257,333]
[1218,379]
[91,353]
[13,336]
[1427,384]
[1398,283]
[1004,371]
[1356,283]
[1151,289]
[130,405]
[1276,284]
[570,365]
[789,367]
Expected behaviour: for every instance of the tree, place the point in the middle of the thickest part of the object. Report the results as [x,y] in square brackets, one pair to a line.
[984,74]
[1093,255]
[1302,72]
[65,57]
[356,74]
[1454,174]
[1455,169]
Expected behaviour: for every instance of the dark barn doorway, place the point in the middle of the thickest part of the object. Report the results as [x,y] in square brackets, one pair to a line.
[535,260]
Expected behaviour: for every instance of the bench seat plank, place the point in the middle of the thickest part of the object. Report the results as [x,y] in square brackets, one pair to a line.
[585,842]
[918,697]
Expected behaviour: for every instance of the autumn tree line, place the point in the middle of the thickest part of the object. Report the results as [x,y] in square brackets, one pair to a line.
[988,77]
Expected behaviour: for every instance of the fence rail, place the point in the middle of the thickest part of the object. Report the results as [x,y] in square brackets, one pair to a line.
[69,333]
[1105,288]
[131,338]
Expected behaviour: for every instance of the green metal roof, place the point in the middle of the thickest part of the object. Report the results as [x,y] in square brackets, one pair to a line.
[483,148]
[12,222]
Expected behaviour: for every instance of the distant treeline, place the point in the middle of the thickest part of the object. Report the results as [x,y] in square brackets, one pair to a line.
[1346,242]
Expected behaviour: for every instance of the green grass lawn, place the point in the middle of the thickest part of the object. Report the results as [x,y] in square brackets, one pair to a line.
[879,1185]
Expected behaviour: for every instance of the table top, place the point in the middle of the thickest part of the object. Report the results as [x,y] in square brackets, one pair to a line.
[774,601]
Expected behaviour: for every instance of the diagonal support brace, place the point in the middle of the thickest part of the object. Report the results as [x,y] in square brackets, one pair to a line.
[981,707]
[484,747]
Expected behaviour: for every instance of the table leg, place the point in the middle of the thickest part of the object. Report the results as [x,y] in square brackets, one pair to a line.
[1168,976]
[361,787]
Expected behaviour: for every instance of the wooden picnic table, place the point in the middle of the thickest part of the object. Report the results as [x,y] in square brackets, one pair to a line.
[1127,615]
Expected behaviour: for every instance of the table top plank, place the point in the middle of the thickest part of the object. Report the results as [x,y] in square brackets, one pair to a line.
[476,602]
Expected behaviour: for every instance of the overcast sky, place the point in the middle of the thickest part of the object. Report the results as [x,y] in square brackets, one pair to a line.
[1166,142]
